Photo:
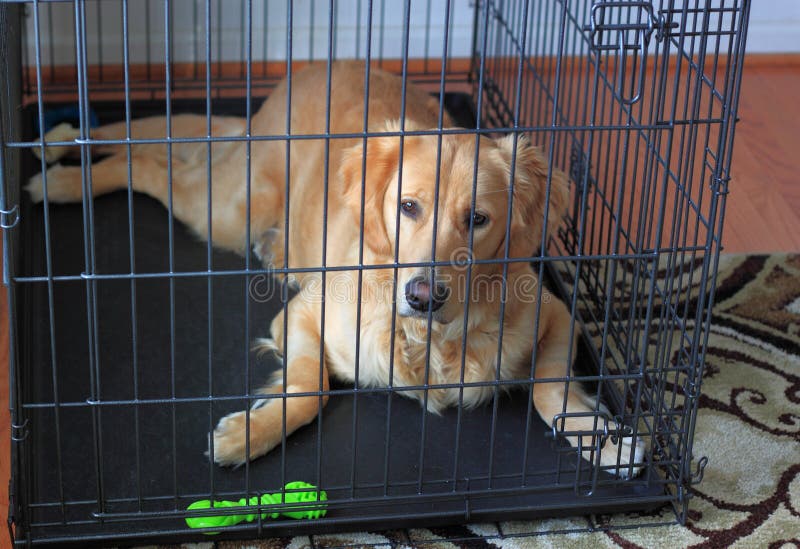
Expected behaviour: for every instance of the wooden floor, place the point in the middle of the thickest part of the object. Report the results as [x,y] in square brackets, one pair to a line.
[763,210]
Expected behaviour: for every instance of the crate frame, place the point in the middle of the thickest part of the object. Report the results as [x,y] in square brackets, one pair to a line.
[650,40]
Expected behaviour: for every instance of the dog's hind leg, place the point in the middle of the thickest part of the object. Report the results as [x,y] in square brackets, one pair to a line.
[148,175]
[65,183]
[152,127]
[283,411]
[188,195]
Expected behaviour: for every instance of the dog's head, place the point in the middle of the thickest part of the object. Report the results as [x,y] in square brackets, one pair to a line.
[485,228]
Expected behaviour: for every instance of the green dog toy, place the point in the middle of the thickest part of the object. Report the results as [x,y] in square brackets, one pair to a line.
[309,494]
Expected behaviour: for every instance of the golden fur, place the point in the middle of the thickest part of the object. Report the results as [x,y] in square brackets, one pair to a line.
[380,188]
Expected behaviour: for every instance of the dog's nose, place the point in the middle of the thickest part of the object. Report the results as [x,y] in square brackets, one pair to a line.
[420,296]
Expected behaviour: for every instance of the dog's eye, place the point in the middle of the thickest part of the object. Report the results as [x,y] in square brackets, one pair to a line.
[409,208]
[478,219]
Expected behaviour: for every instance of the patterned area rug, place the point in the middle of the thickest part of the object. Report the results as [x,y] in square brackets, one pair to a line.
[748,425]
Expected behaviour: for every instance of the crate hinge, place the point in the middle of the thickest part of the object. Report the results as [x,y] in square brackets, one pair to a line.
[19,431]
[9,218]
[719,185]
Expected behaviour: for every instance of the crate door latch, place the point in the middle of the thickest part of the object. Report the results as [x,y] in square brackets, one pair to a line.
[625,27]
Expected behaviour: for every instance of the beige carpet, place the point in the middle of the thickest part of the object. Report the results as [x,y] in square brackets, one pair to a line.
[748,426]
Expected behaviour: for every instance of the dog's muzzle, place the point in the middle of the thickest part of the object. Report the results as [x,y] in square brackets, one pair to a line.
[423,296]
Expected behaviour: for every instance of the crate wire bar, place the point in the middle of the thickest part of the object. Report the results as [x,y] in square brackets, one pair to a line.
[129,339]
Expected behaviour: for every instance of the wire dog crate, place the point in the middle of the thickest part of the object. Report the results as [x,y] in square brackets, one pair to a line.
[130,338]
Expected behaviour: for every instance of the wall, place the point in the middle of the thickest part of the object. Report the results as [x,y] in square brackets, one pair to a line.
[269,37]
[775,27]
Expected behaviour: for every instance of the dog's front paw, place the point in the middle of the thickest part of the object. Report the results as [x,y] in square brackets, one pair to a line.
[62,132]
[229,437]
[626,453]
[63,185]
[35,188]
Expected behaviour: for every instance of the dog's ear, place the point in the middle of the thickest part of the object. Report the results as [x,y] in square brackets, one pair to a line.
[531,198]
[381,165]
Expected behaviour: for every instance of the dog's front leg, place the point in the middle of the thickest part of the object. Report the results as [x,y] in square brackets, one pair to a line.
[286,408]
[576,413]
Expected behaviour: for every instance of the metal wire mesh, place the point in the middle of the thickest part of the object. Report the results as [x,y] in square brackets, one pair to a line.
[634,100]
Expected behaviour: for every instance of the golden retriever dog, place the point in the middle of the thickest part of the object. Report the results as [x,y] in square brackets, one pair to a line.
[397,182]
